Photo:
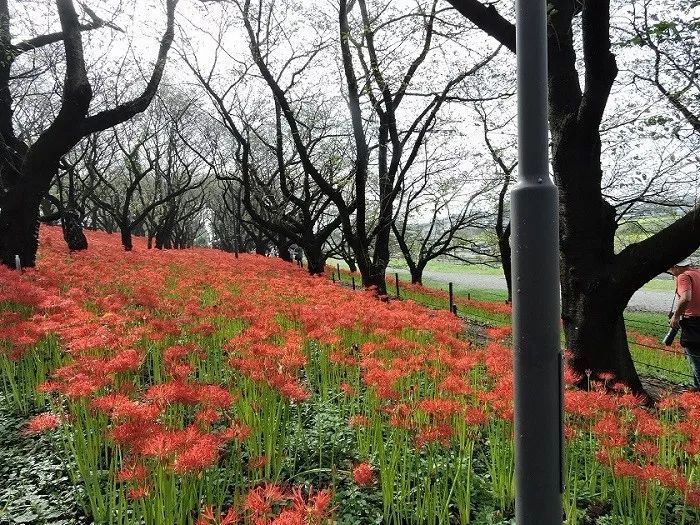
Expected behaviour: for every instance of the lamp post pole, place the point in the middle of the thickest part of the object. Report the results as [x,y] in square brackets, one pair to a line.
[536,299]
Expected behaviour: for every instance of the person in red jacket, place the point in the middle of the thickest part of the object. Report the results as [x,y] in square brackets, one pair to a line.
[687,314]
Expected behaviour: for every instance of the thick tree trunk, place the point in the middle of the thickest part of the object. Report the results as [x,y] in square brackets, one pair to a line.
[163,239]
[125,232]
[373,276]
[282,246]
[73,230]
[19,218]
[592,299]
[504,249]
[417,273]
[594,328]
[315,260]
[351,264]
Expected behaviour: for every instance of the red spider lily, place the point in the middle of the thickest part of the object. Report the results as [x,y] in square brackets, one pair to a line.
[439,408]
[435,434]
[475,416]
[498,333]
[258,462]
[347,389]
[315,508]
[42,423]
[206,516]
[140,492]
[359,421]
[197,455]
[454,384]
[133,472]
[647,449]
[261,499]
[363,474]
[207,416]
[236,431]
[125,326]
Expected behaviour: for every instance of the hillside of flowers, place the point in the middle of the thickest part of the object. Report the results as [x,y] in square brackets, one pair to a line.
[194,387]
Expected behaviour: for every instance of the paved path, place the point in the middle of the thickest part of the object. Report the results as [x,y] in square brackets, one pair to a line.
[649,300]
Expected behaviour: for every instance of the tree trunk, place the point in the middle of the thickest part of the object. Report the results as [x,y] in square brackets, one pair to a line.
[19,217]
[126,238]
[351,264]
[164,238]
[315,261]
[594,328]
[260,246]
[373,276]
[504,249]
[417,273]
[283,249]
[592,300]
[73,229]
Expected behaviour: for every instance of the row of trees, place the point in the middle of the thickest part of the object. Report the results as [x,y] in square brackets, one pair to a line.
[359,130]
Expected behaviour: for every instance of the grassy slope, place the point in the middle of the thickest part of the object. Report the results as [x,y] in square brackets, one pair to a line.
[652,325]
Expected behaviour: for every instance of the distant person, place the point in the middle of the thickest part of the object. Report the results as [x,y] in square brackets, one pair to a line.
[687,314]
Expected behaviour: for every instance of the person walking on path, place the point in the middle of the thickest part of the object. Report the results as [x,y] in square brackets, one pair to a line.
[687,314]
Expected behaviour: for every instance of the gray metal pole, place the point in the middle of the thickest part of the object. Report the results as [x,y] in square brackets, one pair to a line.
[536,308]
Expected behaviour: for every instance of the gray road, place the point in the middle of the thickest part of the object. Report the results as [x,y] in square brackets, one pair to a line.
[650,300]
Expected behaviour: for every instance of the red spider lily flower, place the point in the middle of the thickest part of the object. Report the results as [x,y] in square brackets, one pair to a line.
[42,423]
[286,517]
[627,469]
[207,416]
[454,384]
[347,389]
[140,492]
[359,421]
[363,474]
[439,408]
[258,462]
[261,499]
[475,416]
[647,449]
[693,498]
[400,416]
[133,472]
[230,518]
[294,391]
[126,361]
[498,333]
[237,431]
[206,516]
[199,455]
[435,434]
[647,425]
[180,371]
[214,396]
[316,507]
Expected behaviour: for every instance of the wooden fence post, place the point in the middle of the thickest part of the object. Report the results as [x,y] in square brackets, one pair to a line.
[451,292]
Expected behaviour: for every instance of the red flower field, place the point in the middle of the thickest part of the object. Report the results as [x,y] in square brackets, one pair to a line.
[195,387]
